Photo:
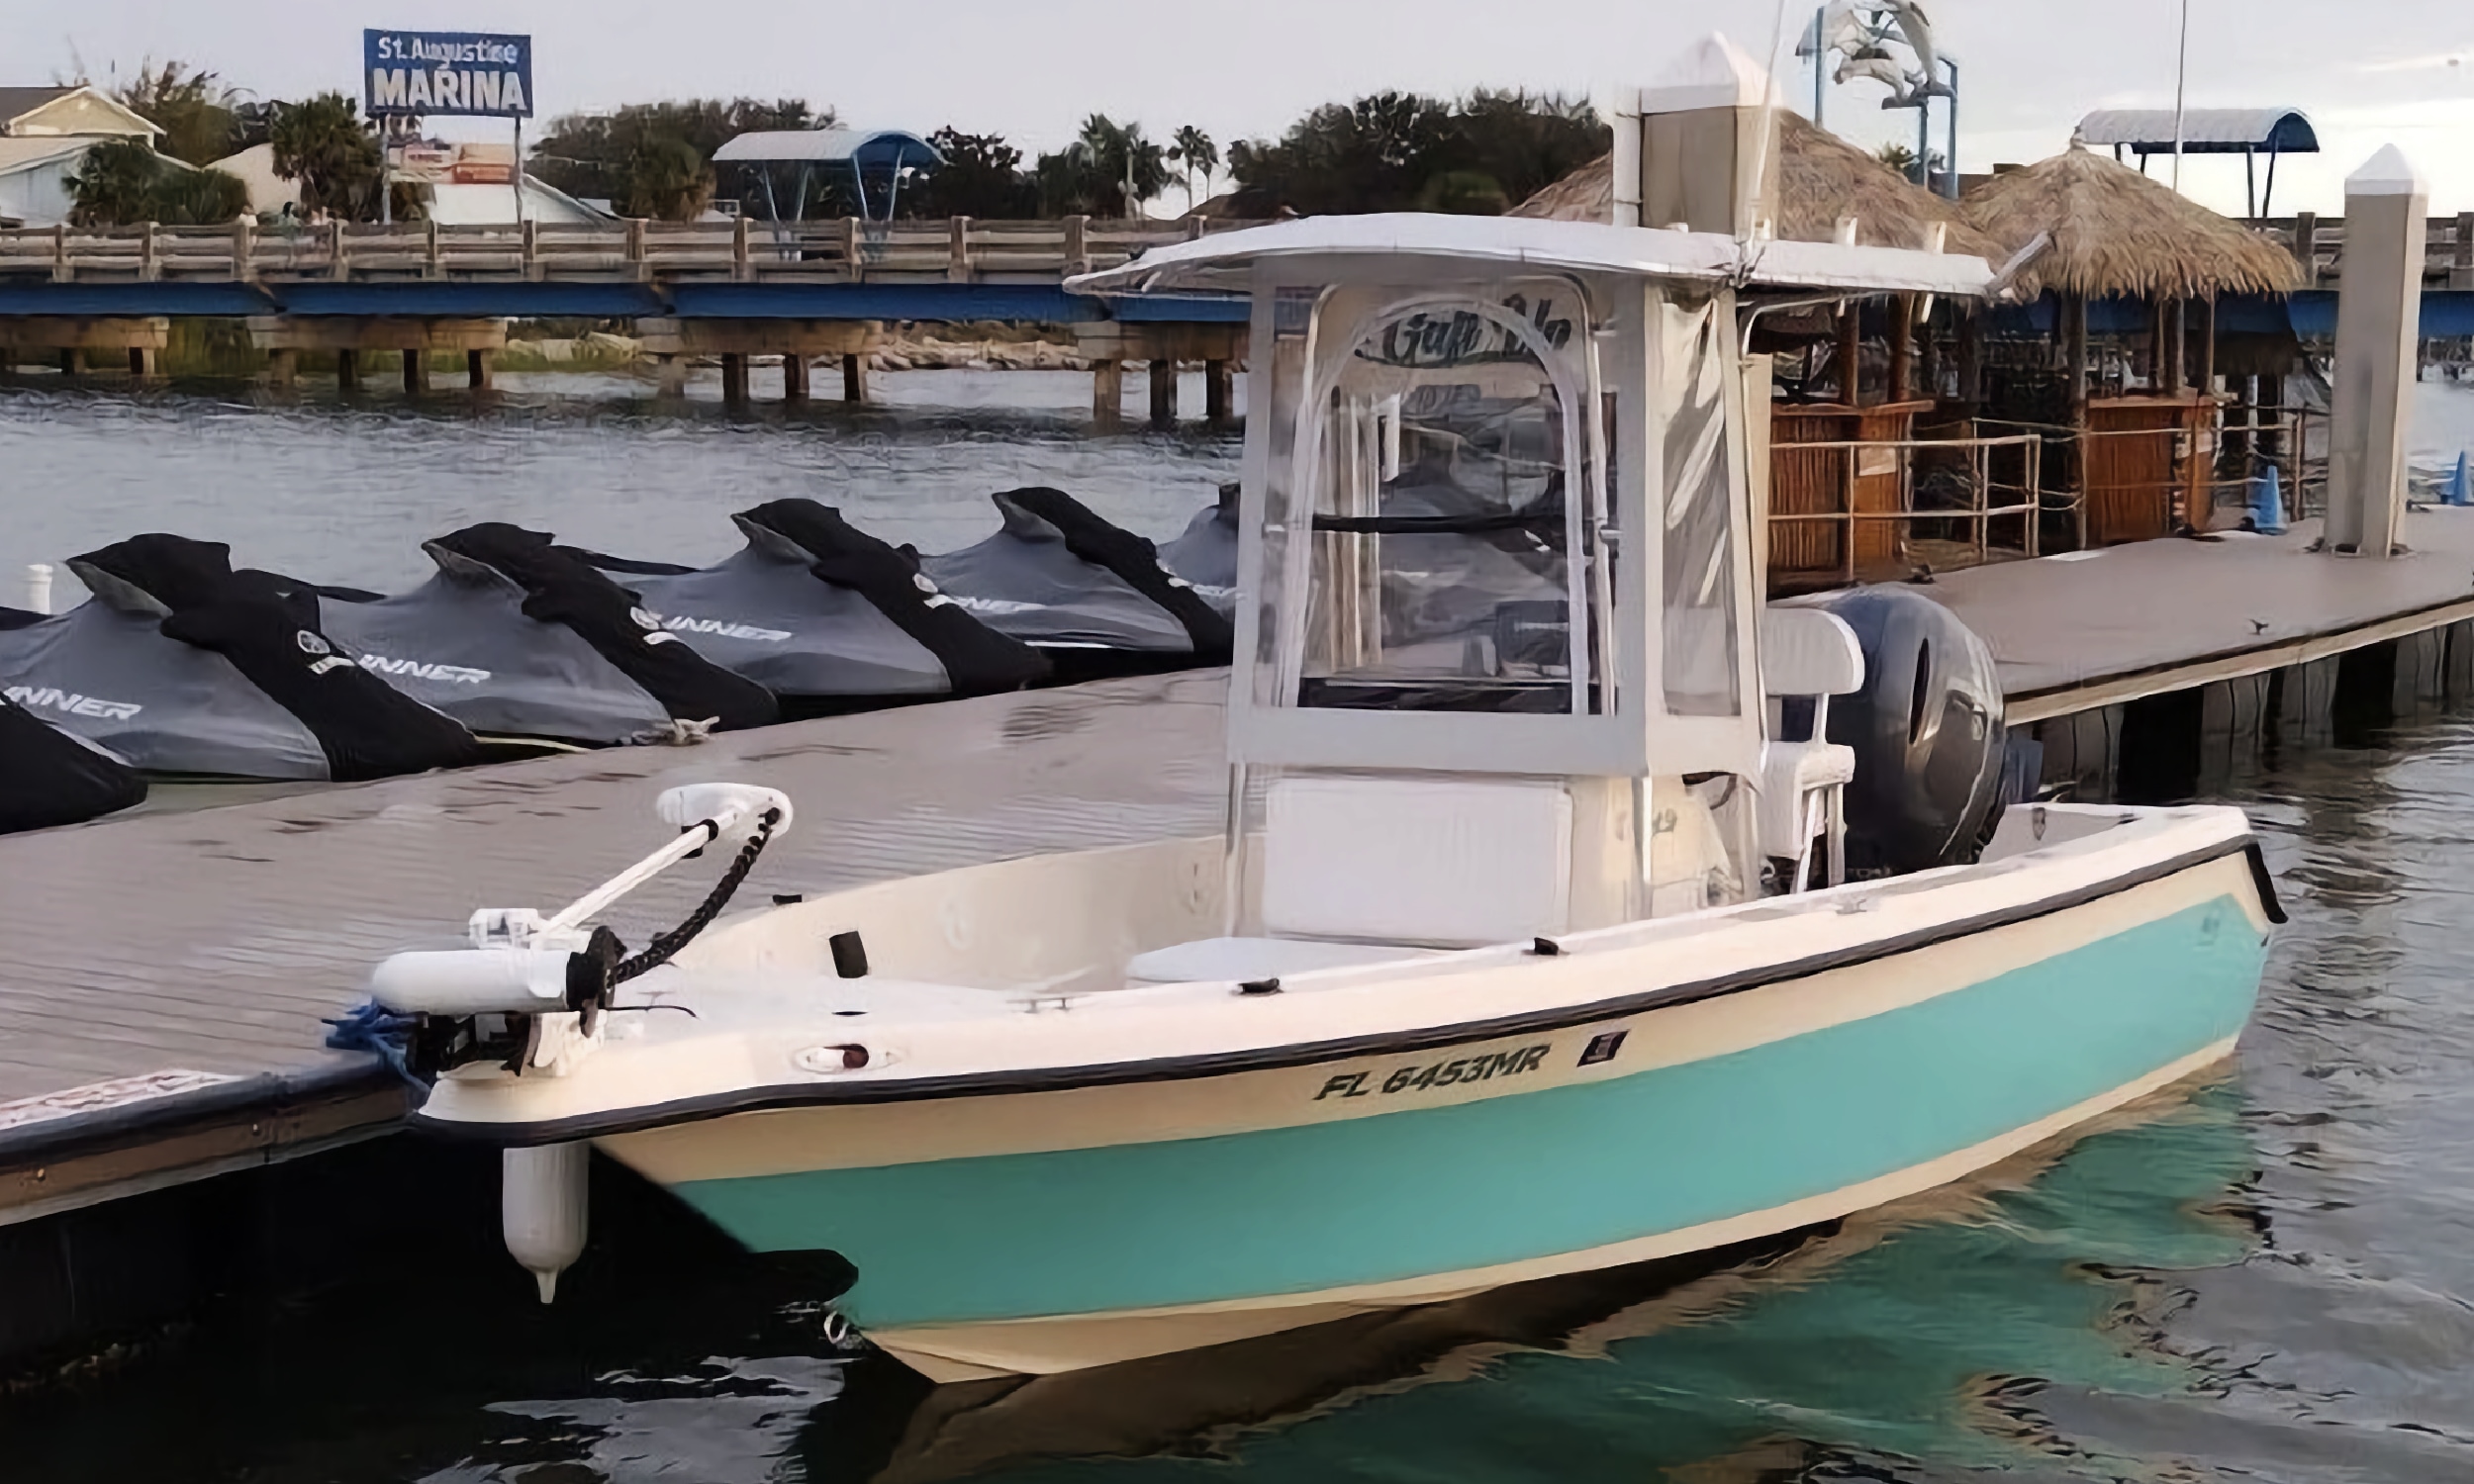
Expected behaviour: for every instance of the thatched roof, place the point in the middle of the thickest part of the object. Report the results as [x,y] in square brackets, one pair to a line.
[2116,231]
[1821,178]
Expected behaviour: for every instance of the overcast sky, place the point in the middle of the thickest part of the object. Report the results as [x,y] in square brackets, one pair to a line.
[2368,72]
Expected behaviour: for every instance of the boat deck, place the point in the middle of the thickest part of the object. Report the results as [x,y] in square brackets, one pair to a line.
[164,974]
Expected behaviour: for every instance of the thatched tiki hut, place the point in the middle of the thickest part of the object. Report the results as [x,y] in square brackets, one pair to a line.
[2142,256]
[1855,376]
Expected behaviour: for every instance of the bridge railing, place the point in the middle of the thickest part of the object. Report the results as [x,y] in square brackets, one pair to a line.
[2318,244]
[957,249]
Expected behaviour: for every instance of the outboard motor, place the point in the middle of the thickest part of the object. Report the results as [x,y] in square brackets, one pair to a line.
[1927,732]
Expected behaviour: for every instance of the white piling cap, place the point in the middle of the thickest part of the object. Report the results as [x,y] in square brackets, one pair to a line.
[1714,74]
[2387,173]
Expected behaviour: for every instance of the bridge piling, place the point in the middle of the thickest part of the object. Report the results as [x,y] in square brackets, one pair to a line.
[855,379]
[794,378]
[348,369]
[415,371]
[1164,394]
[477,370]
[733,377]
[1218,393]
[1108,395]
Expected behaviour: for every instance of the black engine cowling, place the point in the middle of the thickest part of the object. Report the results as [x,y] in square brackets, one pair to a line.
[1927,731]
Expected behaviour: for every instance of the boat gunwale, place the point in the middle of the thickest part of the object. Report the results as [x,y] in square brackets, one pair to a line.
[776,1097]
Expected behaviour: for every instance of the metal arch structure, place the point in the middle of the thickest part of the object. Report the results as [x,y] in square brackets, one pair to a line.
[2247,132]
[1867,37]
[883,155]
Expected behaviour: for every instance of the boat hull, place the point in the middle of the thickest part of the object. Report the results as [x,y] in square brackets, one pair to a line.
[1041,1231]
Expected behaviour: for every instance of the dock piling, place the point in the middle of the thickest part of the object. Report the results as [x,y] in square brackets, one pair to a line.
[2378,306]
[794,378]
[477,370]
[854,379]
[416,372]
[348,369]
[1218,393]
[733,377]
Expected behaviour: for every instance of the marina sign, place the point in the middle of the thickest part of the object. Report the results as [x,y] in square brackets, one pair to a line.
[431,73]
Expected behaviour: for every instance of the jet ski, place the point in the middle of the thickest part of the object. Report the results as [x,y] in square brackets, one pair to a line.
[49,777]
[517,637]
[180,665]
[1205,556]
[1091,596]
[828,618]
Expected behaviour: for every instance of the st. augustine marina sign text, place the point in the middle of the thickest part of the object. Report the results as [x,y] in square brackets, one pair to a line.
[430,73]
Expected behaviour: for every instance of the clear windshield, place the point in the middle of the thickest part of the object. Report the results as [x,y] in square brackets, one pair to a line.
[1439,461]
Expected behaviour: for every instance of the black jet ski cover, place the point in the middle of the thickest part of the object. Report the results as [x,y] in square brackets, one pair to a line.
[827,616]
[1060,576]
[49,777]
[180,665]
[1206,554]
[517,637]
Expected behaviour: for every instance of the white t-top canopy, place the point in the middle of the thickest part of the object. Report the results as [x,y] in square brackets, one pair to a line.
[1225,260]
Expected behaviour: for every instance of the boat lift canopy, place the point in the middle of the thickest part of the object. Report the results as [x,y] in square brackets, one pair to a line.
[881,156]
[2247,132]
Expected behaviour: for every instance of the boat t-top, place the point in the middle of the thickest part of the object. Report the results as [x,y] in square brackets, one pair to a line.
[1530,944]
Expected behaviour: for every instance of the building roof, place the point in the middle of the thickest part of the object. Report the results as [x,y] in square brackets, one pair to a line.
[15,103]
[2205,131]
[1821,179]
[452,205]
[1225,260]
[868,148]
[2114,230]
[254,167]
[18,106]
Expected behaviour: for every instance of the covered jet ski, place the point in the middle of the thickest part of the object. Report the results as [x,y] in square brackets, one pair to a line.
[180,665]
[1206,554]
[828,618]
[1093,597]
[49,777]
[516,637]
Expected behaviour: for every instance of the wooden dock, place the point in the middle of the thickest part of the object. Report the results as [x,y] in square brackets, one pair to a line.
[166,973]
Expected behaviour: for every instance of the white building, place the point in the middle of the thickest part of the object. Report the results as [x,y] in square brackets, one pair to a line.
[44,134]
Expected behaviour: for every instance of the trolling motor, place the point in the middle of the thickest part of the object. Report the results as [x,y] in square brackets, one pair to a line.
[496,1000]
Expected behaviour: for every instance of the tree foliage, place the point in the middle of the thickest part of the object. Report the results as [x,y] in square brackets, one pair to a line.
[1195,154]
[322,145]
[199,115]
[1405,151]
[593,156]
[1090,176]
[665,179]
[982,176]
[123,182]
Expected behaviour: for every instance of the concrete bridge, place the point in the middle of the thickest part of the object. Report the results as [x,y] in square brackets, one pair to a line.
[737,290]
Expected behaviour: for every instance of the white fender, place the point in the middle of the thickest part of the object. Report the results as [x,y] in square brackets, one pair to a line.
[542,1208]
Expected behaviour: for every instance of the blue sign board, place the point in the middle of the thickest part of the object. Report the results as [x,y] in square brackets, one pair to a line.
[430,73]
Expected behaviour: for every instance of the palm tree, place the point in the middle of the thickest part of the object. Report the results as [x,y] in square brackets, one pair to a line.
[321,144]
[1194,149]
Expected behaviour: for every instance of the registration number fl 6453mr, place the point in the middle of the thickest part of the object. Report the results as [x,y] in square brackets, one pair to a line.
[1419,1079]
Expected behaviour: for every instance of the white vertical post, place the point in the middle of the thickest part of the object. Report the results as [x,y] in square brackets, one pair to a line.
[1709,159]
[39,588]
[2379,304]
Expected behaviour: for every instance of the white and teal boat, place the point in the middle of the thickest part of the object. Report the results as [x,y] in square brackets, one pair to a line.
[1526,949]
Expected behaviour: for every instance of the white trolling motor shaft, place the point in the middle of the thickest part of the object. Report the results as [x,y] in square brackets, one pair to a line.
[517,964]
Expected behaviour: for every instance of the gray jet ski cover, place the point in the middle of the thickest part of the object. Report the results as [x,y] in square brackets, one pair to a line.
[821,614]
[461,642]
[179,665]
[1205,555]
[1058,576]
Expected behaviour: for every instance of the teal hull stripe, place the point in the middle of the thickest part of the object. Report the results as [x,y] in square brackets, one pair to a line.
[1442,1189]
